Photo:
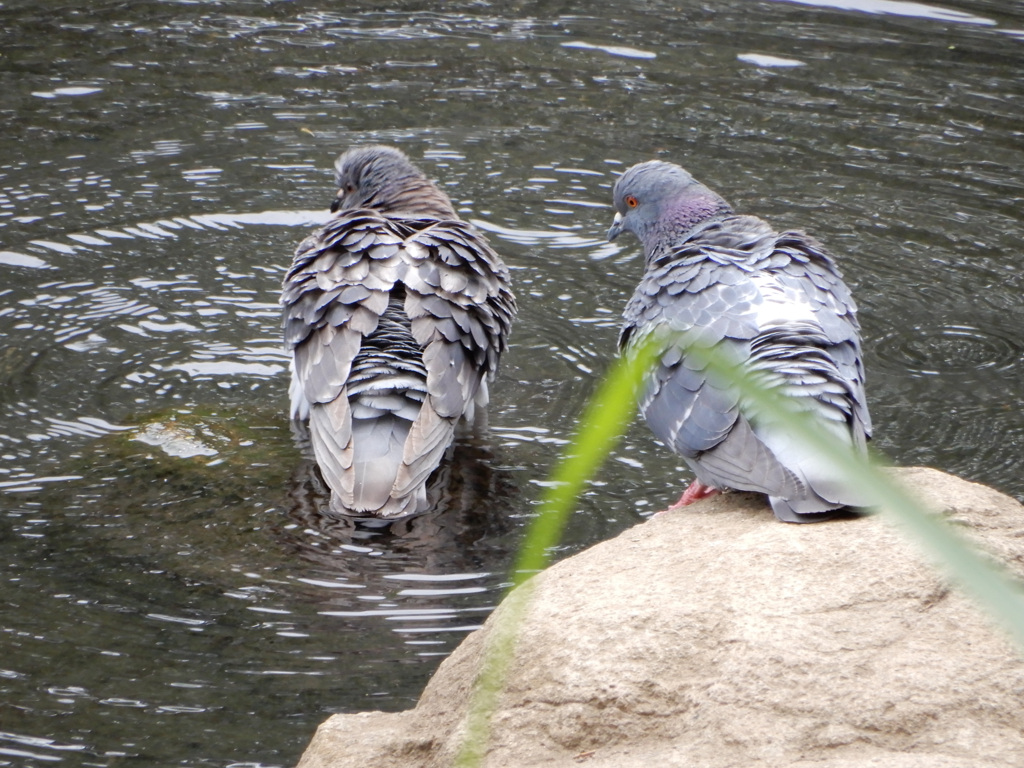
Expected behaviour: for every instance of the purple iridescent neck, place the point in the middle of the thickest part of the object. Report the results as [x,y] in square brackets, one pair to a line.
[681,218]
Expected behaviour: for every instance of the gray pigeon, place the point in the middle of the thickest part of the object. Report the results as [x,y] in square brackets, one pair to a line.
[395,312]
[774,302]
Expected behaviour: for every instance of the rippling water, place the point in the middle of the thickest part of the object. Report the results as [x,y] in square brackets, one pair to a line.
[171,593]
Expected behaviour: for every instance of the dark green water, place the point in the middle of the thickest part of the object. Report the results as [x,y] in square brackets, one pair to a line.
[160,160]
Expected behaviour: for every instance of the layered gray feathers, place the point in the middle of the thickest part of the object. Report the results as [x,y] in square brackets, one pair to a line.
[396,313]
[773,302]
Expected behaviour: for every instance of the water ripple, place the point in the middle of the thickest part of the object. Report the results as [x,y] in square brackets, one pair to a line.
[167,229]
[949,349]
[34,748]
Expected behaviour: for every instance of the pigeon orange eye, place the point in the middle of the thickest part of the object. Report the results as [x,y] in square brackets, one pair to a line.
[631,201]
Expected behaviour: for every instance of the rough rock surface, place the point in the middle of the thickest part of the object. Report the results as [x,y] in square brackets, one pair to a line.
[714,636]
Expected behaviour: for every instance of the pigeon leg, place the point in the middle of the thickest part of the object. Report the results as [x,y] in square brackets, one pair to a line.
[695,492]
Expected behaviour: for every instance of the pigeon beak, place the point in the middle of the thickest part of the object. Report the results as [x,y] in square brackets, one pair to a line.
[616,228]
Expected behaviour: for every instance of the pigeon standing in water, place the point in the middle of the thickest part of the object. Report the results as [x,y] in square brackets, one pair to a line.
[773,302]
[395,312]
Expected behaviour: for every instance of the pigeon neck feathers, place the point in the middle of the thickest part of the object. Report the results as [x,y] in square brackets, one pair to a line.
[383,179]
[683,219]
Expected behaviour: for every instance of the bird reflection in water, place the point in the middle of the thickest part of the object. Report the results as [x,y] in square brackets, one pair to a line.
[469,526]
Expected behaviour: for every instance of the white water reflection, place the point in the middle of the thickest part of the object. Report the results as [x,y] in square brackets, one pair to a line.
[70,90]
[899,8]
[763,60]
[15,259]
[552,238]
[613,50]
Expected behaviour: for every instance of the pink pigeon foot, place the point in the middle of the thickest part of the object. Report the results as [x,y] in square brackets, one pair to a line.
[695,492]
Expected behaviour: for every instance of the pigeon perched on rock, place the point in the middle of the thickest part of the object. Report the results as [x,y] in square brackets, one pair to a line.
[772,302]
[395,312]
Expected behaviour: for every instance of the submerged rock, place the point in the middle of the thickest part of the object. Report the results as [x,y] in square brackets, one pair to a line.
[174,441]
[711,636]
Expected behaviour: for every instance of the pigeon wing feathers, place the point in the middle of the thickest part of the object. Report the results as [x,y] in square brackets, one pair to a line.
[330,432]
[811,269]
[461,311]
[688,409]
[808,345]
[333,296]
[428,439]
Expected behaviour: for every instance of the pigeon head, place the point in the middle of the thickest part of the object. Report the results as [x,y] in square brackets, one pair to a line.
[384,179]
[662,205]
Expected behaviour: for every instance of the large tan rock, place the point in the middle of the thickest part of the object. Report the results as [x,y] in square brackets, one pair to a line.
[715,636]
